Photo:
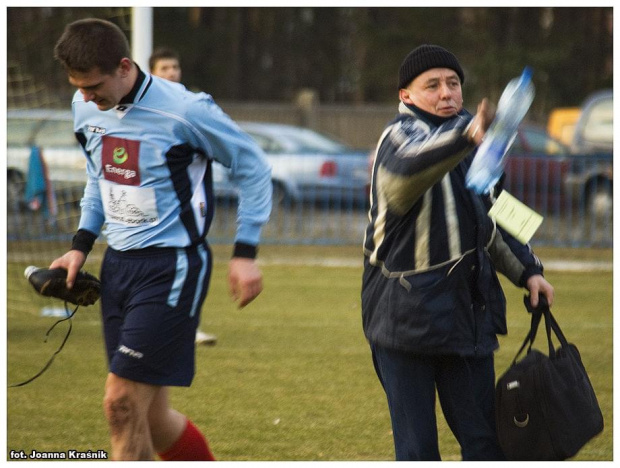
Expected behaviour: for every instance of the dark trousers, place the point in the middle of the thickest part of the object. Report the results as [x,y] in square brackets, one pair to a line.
[466,389]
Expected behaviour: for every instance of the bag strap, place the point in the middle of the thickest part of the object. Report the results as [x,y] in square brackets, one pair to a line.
[542,309]
[550,321]
[553,324]
[531,335]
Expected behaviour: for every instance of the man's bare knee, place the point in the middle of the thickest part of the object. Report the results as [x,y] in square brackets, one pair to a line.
[125,403]
[126,406]
[120,410]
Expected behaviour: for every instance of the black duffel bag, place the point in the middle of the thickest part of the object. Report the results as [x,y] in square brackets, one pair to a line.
[545,406]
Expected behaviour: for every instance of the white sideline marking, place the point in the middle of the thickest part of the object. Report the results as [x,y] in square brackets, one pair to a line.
[551,265]
[576,265]
[324,262]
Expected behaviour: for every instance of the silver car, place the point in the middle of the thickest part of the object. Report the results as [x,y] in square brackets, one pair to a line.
[52,132]
[310,166]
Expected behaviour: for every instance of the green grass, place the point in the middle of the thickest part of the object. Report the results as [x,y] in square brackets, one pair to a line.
[291,376]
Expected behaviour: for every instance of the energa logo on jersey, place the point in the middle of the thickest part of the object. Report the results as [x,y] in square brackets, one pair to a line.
[124,201]
[120,155]
[120,160]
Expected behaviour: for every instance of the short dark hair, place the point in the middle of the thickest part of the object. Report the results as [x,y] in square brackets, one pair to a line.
[162,53]
[92,43]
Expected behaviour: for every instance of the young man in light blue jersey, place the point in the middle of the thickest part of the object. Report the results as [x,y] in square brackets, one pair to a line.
[149,145]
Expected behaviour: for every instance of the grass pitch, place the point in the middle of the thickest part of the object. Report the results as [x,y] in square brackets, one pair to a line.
[291,376]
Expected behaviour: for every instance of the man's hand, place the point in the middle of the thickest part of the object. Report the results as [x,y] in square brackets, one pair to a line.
[245,280]
[72,261]
[537,285]
[481,122]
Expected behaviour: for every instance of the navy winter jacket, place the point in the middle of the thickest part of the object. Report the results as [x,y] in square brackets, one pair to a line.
[431,251]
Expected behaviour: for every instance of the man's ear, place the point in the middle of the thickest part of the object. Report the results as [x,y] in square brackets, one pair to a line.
[405,96]
[125,66]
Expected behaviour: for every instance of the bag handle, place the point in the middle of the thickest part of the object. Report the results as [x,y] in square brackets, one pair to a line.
[531,336]
[550,321]
[542,309]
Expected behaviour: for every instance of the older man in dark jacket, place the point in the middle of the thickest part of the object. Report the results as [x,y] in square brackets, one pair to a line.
[432,304]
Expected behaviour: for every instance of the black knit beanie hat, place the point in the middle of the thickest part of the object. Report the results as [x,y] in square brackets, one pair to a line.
[424,58]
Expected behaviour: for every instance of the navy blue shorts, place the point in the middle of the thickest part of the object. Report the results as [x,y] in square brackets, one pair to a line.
[150,303]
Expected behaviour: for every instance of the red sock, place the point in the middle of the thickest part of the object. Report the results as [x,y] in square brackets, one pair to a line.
[191,446]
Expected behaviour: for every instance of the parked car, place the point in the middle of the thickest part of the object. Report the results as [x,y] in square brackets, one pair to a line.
[310,166]
[547,176]
[594,129]
[593,142]
[52,131]
[536,167]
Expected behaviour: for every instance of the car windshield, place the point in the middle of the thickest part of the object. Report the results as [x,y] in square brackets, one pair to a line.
[599,126]
[540,142]
[307,141]
[48,133]
[20,132]
[534,141]
[296,140]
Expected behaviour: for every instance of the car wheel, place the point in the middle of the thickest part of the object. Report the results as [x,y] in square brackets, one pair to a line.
[601,200]
[279,194]
[15,187]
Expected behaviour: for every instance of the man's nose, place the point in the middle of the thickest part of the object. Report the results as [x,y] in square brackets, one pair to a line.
[88,95]
[444,90]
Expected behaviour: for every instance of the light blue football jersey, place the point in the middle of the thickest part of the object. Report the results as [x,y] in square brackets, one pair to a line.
[149,167]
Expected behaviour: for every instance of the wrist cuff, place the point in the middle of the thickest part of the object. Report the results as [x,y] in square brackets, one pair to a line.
[244,250]
[529,271]
[83,241]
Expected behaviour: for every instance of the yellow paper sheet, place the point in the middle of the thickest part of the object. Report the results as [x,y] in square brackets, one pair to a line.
[515,217]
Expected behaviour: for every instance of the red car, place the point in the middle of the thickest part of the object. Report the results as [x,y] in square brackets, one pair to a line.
[542,173]
[536,168]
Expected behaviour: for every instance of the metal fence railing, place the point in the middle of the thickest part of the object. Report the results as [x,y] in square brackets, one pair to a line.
[574,195]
